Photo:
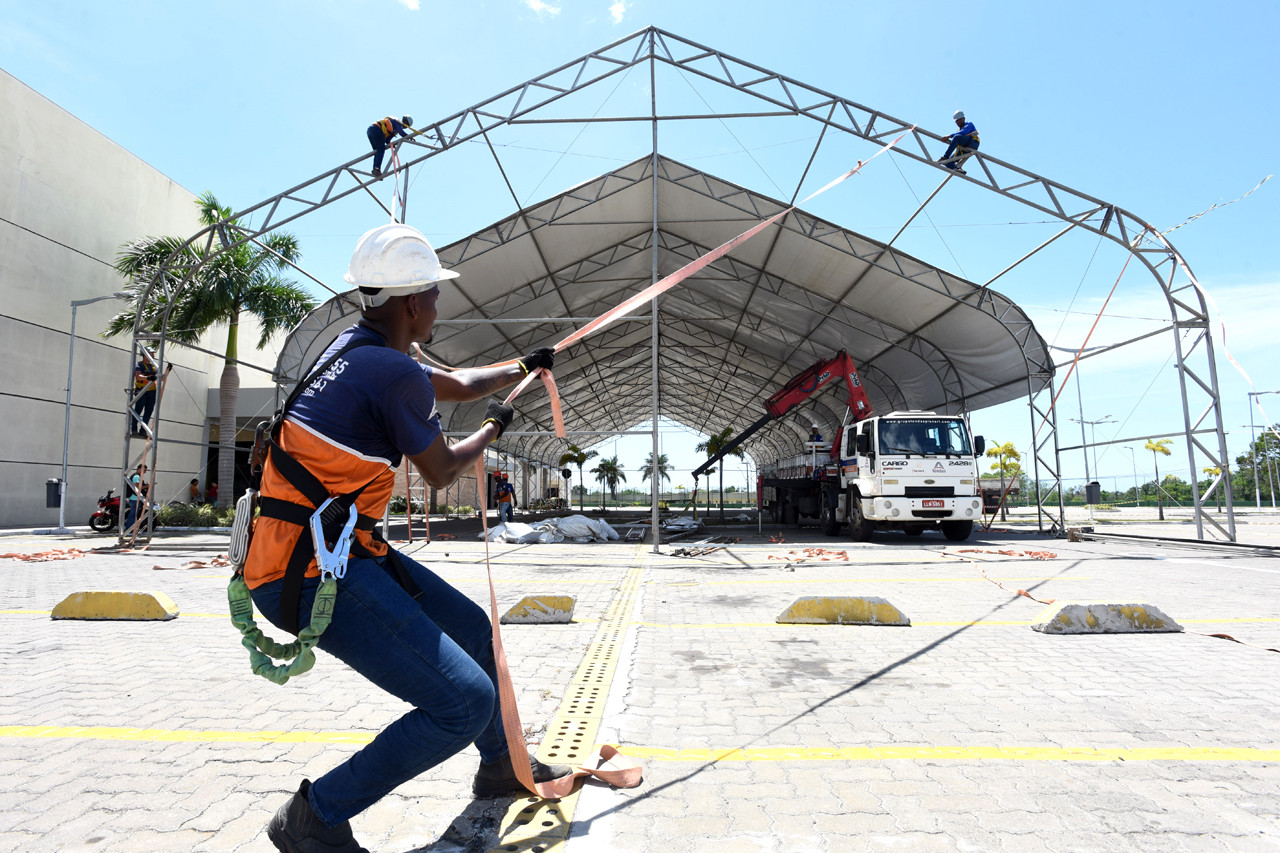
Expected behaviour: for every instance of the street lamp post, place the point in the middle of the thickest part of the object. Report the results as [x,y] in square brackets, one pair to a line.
[1133,460]
[1253,454]
[66,423]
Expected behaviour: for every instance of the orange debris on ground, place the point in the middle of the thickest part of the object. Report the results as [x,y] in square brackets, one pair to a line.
[45,556]
[819,554]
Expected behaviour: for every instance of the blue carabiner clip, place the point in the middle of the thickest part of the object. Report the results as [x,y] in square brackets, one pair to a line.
[332,563]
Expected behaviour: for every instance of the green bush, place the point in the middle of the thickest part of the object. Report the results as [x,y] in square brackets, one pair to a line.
[396,506]
[187,515]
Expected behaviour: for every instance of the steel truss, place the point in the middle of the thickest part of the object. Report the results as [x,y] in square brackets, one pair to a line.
[702,347]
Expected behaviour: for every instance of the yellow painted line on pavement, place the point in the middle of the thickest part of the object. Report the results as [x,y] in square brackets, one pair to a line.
[808,580]
[759,754]
[921,624]
[184,735]
[957,753]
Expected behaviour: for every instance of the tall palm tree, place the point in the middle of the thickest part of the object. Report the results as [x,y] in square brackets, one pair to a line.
[713,447]
[608,474]
[244,280]
[579,457]
[1007,457]
[646,471]
[1159,447]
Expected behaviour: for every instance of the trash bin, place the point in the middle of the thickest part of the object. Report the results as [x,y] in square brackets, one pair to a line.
[1093,493]
[52,493]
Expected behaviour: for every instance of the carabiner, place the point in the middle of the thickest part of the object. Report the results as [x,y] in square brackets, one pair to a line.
[332,563]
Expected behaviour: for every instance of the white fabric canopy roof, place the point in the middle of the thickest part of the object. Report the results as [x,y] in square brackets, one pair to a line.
[730,335]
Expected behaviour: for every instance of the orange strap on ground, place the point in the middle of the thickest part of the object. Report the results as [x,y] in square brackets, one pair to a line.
[1035,555]
[606,763]
[819,554]
[45,556]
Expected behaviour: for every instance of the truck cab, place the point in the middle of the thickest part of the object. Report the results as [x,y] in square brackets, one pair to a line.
[909,471]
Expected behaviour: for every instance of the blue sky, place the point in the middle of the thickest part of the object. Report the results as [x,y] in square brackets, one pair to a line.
[1162,108]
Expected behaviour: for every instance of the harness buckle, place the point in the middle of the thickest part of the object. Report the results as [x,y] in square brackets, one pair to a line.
[332,564]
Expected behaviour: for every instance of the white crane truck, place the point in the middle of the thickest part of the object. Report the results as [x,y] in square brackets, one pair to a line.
[908,471]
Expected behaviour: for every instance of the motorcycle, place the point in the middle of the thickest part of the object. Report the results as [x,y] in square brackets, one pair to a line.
[108,515]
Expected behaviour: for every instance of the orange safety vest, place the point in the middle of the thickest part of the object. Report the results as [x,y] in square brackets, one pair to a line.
[388,129]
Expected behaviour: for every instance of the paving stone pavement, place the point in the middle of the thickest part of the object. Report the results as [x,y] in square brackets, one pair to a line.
[966,731]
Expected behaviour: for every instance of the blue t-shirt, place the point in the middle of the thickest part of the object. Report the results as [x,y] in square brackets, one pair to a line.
[373,401]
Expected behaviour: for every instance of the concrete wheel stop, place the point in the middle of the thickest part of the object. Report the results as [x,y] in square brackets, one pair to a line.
[541,610]
[828,610]
[122,606]
[1077,617]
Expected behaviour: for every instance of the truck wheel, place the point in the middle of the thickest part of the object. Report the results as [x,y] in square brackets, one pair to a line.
[830,523]
[957,531]
[859,528]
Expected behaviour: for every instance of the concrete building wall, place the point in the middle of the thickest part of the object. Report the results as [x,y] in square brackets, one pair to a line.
[69,199]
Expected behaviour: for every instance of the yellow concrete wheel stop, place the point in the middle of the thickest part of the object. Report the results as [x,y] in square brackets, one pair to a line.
[828,610]
[541,610]
[1077,617]
[126,606]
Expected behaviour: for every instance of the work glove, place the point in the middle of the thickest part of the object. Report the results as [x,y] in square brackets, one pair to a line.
[541,357]
[499,415]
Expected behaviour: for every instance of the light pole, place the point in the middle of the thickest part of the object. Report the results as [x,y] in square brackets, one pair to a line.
[1133,460]
[1253,454]
[66,423]
[1093,429]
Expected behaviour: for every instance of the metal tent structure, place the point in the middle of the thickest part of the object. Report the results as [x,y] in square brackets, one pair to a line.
[710,350]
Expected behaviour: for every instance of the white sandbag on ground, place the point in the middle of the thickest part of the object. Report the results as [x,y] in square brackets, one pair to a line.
[577,528]
[581,528]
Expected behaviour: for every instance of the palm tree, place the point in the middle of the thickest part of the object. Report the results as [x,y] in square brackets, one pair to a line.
[1214,471]
[1007,457]
[243,280]
[608,474]
[663,468]
[1159,446]
[713,446]
[578,456]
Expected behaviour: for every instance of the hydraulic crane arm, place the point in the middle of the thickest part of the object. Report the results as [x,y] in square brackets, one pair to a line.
[795,392]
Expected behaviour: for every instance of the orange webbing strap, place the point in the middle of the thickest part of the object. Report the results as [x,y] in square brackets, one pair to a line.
[658,288]
[606,762]
[610,765]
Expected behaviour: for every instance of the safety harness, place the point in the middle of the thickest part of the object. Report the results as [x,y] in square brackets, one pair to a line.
[331,520]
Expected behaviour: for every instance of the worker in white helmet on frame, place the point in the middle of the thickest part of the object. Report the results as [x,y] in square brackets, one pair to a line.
[963,143]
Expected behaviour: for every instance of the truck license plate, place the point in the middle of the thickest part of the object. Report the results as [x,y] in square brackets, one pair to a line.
[929,503]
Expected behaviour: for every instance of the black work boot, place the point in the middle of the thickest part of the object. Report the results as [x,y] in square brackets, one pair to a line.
[296,829]
[499,779]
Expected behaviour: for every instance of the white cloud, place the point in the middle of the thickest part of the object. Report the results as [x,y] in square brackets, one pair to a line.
[411,5]
[617,10]
[541,7]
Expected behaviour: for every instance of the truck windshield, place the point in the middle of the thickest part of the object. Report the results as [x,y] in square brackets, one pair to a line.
[924,437]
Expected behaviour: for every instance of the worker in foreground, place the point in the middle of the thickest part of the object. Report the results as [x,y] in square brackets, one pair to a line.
[395,622]
[962,143]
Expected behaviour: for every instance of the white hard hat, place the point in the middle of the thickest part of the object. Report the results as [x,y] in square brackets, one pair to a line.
[393,260]
[958,115]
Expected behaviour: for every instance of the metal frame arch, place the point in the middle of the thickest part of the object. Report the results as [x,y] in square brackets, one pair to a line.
[793,98]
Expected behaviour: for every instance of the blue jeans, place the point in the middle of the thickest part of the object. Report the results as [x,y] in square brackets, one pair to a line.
[131,514]
[506,511]
[379,142]
[142,409]
[436,653]
[960,142]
